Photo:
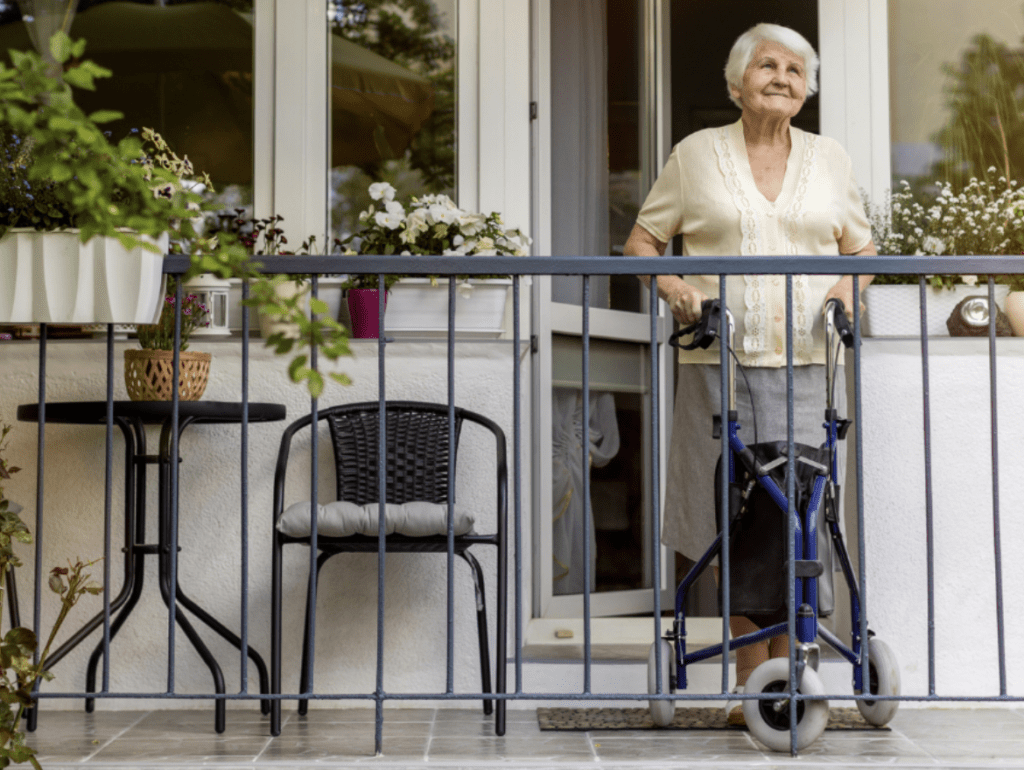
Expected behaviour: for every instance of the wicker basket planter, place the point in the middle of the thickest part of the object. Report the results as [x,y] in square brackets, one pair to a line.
[149,374]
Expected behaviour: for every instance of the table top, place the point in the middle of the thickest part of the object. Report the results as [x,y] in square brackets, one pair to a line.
[151,412]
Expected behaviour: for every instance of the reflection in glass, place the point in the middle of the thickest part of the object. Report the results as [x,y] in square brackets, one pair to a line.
[956,91]
[392,102]
[618,464]
[181,68]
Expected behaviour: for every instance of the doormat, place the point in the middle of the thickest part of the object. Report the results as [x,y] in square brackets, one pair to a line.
[685,719]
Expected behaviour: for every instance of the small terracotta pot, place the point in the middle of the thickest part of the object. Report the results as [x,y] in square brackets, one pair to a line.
[149,375]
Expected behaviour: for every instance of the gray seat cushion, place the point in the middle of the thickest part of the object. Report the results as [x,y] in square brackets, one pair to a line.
[343,519]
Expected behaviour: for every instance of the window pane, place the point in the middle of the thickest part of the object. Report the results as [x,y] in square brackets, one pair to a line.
[392,102]
[956,90]
[183,69]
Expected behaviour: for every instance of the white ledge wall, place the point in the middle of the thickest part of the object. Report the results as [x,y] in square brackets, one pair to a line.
[209,566]
[894,501]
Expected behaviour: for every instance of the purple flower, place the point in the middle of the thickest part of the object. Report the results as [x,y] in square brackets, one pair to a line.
[6,337]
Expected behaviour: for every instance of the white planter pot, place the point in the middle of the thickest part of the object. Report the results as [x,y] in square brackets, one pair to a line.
[53,277]
[895,311]
[416,307]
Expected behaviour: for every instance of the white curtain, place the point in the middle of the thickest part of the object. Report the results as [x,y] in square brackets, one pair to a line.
[44,17]
[567,480]
[579,141]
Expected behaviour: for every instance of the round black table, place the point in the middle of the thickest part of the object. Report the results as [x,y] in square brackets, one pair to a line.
[132,417]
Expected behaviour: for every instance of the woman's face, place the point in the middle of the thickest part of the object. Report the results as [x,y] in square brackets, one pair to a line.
[774,83]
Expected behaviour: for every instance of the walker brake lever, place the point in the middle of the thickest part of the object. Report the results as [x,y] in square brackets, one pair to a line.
[705,331]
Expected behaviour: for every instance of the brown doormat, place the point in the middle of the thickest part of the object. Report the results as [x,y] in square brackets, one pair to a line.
[685,719]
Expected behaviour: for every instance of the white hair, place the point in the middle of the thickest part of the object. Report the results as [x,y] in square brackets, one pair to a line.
[746,45]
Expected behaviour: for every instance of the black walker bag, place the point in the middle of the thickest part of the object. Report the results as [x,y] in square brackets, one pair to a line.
[757,552]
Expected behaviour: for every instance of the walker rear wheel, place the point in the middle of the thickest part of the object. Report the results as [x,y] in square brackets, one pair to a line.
[768,720]
[662,711]
[883,679]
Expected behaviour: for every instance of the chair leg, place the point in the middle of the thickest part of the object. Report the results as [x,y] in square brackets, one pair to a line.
[307,663]
[275,637]
[481,625]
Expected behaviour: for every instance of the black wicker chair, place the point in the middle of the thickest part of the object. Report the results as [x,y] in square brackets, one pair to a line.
[416,464]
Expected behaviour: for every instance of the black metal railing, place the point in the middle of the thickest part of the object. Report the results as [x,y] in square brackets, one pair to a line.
[314,266]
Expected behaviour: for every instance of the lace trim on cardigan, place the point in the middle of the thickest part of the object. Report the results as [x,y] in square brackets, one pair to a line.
[803,316]
[755,319]
[727,165]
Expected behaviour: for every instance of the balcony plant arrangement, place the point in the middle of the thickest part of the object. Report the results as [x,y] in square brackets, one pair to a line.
[84,223]
[149,371]
[984,218]
[431,225]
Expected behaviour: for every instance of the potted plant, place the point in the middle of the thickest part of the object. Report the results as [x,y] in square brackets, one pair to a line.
[985,218]
[149,372]
[79,215]
[432,225]
[18,672]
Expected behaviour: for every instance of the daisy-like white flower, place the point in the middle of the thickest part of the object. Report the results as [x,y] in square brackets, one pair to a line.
[382,191]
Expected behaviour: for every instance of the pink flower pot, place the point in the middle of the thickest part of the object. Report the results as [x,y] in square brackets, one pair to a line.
[363,308]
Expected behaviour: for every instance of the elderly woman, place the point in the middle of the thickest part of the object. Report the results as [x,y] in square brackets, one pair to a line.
[757,187]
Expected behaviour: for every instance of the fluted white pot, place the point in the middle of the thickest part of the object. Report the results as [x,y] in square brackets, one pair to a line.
[52,277]
[418,308]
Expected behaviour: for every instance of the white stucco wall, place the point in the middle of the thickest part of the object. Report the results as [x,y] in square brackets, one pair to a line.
[209,566]
[894,500]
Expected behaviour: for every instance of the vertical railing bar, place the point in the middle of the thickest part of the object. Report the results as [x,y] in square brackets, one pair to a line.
[656,483]
[37,604]
[314,492]
[517,479]
[996,529]
[723,490]
[859,444]
[790,514]
[450,654]
[378,721]
[244,492]
[585,521]
[108,490]
[172,470]
[928,510]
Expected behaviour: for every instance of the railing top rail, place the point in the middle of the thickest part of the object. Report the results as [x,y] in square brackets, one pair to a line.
[426,265]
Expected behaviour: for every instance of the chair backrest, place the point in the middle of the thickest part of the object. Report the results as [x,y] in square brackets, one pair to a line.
[416,461]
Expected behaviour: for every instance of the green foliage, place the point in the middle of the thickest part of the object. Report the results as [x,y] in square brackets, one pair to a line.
[985,218]
[84,180]
[18,672]
[984,136]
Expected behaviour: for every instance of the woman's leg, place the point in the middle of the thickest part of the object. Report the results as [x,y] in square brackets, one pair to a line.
[753,655]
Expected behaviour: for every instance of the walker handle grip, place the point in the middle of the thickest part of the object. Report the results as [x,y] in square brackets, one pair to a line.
[837,311]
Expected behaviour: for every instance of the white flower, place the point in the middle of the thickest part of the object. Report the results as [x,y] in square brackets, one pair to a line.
[388,220]
[440,213]
[970,280]
[383,190]
[933,245]
[458,240]
[471,224]
[394,207]
[485,245]
[415,226]
[465,289]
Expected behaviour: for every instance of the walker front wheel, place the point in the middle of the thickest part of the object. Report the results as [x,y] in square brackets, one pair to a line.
[768,720]
[883,679]
[662,711]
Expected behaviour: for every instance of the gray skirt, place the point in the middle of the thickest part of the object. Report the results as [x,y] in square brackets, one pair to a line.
[689,510]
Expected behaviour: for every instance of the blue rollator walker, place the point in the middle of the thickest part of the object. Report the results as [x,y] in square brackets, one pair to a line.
[757,513]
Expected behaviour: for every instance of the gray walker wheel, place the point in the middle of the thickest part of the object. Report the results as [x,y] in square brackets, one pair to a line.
[662,711]
[882,679]
[768,720]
